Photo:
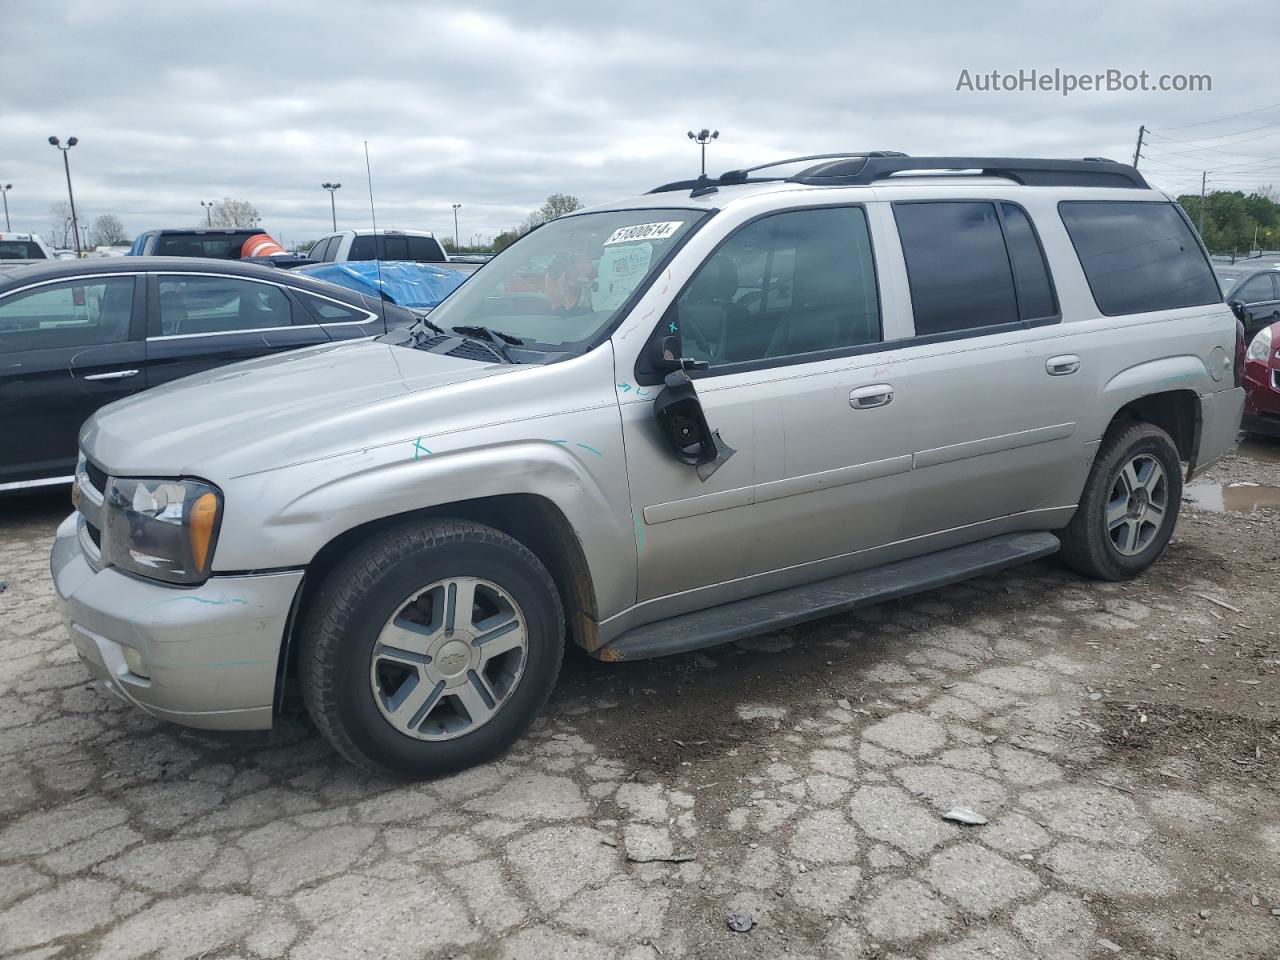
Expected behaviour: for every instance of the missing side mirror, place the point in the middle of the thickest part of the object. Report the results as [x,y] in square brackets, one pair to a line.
[684,425]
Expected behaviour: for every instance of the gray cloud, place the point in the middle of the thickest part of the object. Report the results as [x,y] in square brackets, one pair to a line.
[496,105]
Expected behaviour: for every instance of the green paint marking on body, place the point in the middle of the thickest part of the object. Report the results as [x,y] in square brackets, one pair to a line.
[592,449]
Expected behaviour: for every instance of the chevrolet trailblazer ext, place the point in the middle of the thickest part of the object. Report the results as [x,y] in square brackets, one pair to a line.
[726,406]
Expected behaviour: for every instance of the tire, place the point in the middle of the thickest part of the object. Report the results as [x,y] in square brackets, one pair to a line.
[394,678]
[1098,544]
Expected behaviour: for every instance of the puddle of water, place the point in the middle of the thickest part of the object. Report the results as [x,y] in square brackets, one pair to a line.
[1232,497]
[1257,448]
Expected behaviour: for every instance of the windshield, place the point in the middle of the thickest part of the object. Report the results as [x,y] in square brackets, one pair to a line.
[1226,283]
[565,282]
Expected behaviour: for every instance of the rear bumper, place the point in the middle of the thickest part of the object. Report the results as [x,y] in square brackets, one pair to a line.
[210,653]
[1219,425]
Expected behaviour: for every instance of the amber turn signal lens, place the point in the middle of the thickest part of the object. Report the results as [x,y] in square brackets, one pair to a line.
[201,522]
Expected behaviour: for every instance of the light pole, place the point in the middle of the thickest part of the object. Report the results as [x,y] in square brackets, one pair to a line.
[333,210]
[702,138]
[75,228]
[455,227]
[208,213]
[4,191]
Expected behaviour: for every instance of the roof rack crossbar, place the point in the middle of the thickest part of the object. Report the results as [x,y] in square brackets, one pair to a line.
[1089,172]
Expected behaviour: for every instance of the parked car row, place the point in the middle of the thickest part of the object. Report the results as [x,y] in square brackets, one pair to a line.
[76,335]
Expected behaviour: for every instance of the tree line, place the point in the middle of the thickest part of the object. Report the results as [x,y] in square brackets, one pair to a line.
[1236,223]
[108,231]
[556,205]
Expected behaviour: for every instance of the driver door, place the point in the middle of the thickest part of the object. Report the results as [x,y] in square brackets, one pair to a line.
[786,315]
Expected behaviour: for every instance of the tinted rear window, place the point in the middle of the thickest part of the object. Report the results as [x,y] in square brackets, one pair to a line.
[425,250]
[1138,256]
[20,250]
[217,246]
[957,266]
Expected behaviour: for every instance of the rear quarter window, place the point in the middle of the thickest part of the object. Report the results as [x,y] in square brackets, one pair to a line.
[1138,256]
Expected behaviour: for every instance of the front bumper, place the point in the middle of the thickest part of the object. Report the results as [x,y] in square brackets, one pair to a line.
[211,652]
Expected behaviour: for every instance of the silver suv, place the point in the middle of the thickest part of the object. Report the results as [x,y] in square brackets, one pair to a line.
[725,406]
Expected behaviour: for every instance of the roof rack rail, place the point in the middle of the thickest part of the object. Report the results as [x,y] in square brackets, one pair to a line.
[705,184]
[1089,172]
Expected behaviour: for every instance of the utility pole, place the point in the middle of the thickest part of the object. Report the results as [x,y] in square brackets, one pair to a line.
[66,164]
[455,227]
[4,191]
[1204,174]
[1137,151]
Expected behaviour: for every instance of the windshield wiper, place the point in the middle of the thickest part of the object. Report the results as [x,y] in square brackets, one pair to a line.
[415,327]
[495,337]
[489,333]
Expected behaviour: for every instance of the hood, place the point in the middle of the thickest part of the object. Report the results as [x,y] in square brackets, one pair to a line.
[266,412]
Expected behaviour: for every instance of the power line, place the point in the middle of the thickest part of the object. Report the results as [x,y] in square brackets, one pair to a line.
[1231,116]
[1220,136]
[1261,136]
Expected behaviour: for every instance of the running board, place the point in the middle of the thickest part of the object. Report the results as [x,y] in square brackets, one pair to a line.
[783,608]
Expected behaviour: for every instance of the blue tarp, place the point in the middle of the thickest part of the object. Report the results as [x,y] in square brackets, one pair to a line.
[405,282]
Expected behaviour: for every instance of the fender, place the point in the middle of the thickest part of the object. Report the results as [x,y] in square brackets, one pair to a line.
[320,501]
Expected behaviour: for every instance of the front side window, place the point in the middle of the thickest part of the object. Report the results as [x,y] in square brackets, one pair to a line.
[1138,256]
[563,284]
[77,313]
[793,283]
[190,304]
[957,266]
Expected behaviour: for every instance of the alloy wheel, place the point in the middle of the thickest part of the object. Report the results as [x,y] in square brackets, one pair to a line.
[1137,504]
[449,658]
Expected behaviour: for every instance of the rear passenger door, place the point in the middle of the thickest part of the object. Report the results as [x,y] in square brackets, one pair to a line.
[200,321]
[997,384]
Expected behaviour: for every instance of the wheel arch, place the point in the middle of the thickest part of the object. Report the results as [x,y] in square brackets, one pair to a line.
[533,520]
[1176,412]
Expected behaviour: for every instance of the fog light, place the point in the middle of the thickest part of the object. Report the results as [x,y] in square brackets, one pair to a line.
[137,666]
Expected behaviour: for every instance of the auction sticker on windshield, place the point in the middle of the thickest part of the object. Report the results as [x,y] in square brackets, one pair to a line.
[644,231]
[620,270]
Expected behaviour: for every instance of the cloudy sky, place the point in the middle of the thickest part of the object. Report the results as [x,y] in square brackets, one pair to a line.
[496,105]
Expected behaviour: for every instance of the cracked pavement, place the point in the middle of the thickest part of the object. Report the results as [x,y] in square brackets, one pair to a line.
[800,777]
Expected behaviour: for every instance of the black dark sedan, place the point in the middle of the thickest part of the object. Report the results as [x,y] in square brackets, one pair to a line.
[78,334]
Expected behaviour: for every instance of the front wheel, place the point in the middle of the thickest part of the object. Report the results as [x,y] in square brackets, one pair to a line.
[431,648]
[1129,506]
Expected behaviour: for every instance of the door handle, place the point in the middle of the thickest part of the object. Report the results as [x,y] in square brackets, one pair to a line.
[1061,366]
[113,375]
[869,397]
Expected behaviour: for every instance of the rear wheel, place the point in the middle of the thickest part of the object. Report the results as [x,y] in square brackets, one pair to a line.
[431,649]
[1129,506]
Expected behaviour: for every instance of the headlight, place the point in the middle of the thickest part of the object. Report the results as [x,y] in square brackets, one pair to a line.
[166,529]
[1261,345]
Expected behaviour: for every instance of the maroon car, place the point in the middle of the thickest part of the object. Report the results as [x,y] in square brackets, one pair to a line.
[1262,383]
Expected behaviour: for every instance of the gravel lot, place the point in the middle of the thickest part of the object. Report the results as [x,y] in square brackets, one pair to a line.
[1122,740]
